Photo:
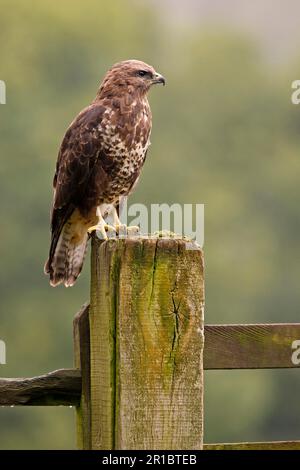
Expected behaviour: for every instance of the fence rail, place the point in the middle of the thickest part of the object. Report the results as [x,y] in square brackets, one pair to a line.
[260,346]
[275,445]
[60,387]
[253,346]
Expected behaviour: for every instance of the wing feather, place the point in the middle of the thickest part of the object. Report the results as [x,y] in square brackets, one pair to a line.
[78,155]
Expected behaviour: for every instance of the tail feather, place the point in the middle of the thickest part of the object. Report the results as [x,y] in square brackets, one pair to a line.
[66,263]
[75,258]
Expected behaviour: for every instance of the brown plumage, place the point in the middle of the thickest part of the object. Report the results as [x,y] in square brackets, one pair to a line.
[99,161]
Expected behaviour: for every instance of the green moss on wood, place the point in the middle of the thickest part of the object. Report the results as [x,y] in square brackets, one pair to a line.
[153,289]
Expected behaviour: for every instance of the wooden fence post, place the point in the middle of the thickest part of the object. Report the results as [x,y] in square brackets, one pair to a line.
[81,337]
[146,345]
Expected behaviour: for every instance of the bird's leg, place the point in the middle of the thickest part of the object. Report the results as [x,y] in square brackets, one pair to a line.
[122,229]
[102,227]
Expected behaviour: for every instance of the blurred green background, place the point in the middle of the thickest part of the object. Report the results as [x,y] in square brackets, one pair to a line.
[225,134]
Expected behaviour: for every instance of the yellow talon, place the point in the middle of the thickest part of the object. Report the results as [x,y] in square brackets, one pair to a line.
[93,229]
[102,229]
[123,230]
[133,229]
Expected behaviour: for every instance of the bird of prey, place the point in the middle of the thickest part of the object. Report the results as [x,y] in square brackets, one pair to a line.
[99,162]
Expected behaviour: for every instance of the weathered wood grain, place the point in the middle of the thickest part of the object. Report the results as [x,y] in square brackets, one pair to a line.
[61,387]
[275,445]
[104,288]
[81,337]
[259,346]
[146,331]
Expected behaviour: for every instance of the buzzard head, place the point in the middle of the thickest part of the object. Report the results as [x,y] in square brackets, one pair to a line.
[130,75]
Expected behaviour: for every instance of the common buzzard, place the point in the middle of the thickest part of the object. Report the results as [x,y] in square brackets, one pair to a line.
[99,161]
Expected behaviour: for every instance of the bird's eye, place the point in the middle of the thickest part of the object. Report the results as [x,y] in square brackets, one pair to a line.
[142,73]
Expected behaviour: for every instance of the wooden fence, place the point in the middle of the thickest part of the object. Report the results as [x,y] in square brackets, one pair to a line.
[139,352]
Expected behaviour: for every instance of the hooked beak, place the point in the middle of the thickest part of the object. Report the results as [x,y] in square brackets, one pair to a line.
[158,78]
